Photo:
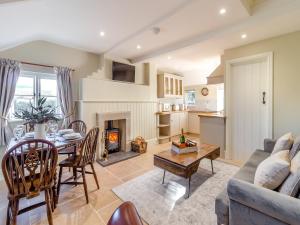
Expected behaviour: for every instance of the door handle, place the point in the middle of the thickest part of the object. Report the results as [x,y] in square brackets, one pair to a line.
[264,98]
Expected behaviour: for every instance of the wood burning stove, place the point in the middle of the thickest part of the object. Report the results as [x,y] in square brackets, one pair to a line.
[112,138]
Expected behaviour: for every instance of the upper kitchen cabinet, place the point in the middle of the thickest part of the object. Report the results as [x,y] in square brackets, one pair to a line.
[169,86]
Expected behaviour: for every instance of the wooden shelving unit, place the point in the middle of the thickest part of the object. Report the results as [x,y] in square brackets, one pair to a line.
[163,127]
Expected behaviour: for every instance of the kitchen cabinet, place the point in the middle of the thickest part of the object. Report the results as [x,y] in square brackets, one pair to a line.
[193,123]
[178,122]
[169,86]
[184,121]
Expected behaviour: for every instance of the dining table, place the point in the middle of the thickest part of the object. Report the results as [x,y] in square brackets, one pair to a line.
[60,143]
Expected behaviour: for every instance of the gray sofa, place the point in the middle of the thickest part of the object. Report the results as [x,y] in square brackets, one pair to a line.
[243,203]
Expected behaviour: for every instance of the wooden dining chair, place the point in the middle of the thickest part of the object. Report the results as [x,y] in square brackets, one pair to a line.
[78,126]
[29,169]
[125,214]
[86,156]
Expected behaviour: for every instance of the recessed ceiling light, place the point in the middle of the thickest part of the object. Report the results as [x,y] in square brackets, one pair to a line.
[138,47]
[102,33]
[169,57]
[243,36]
[222,11]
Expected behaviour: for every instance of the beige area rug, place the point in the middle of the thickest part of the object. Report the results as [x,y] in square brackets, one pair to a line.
[160,204]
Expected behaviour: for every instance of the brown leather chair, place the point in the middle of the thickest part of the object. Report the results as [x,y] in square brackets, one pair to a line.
[125,214]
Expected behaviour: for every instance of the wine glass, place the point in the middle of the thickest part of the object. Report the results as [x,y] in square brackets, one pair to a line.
[19,132]
[53,127]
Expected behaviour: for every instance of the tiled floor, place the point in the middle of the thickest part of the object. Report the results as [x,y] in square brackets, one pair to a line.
[72,208]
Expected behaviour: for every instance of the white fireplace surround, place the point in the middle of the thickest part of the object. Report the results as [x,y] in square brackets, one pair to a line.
[101,121]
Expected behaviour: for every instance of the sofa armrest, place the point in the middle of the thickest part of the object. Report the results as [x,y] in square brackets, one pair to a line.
[269,145]
[271,203]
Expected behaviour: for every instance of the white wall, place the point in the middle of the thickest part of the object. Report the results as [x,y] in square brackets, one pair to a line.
[104,95]
[212,102]
[286,67]
[43,52]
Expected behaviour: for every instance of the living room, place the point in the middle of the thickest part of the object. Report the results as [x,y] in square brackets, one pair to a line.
[184,112]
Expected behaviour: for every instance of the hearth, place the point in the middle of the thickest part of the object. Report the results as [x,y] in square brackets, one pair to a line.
[112,138]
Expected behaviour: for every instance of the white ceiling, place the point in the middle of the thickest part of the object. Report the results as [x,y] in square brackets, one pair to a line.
[192,31]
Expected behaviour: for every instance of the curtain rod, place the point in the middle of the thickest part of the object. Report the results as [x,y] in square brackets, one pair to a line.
[42,65]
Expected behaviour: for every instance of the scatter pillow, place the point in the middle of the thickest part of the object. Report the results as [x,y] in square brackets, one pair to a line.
[292,183]
[283,143]
[271,172]
[296,147]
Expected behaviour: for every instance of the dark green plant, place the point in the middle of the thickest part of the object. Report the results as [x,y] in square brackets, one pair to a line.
[40,114]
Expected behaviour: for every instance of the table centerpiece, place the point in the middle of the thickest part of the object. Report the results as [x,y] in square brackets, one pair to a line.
[38,116]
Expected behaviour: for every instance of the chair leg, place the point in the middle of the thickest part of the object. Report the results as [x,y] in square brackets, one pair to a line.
[52,198]
[14,210]
[49,208]
[59,181]
[75,174]
[84,185]
[8,213]
[95,175]
[69,167]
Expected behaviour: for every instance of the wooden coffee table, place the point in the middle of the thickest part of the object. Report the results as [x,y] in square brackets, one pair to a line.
[185,165]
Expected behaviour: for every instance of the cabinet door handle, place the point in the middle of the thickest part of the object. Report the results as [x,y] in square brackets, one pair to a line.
[264,98]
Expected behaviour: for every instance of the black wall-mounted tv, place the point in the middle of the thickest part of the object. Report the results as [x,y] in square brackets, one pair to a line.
[123,72]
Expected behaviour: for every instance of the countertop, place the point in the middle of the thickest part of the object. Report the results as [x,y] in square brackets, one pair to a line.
[200,113]
[212,114]
[169,112]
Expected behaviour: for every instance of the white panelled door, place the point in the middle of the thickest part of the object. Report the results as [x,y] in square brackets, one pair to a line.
[248,105]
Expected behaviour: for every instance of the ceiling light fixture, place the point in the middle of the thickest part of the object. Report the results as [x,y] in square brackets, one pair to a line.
[102,33]
[138,47]
[243,36]
[222,11]
[169,57]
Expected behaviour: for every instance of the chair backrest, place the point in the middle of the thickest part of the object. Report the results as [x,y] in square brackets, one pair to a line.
[78,126]
[88,147]
[125,214]
[29,127]
[29,167]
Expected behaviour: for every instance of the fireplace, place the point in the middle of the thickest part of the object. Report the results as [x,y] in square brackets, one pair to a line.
[112,138]
[115,132]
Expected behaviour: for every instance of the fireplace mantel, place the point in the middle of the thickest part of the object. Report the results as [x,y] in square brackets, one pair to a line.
[101,119]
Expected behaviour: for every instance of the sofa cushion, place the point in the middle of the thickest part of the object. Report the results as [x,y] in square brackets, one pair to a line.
[246,173]
[292,183]
[283,143]
[271,172]
[295,148]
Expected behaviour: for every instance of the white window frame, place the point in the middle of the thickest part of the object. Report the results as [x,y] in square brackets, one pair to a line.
[37,77]
[186,92]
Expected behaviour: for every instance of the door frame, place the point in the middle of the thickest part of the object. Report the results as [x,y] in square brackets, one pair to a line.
[268,56]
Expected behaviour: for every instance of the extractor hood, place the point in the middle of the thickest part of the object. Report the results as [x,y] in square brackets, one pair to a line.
[217,76]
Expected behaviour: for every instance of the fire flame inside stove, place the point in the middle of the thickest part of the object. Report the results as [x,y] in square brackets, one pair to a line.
[113,137]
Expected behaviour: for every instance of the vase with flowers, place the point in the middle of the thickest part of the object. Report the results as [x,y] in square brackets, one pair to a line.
[38,116]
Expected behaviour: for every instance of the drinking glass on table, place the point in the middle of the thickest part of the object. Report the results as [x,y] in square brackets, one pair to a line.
[19,132]
[53,128]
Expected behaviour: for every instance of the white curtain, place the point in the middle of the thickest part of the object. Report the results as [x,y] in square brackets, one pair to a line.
[9,74]
[65,94]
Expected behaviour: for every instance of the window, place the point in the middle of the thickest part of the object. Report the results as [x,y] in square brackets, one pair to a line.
[30,87]
[190,98]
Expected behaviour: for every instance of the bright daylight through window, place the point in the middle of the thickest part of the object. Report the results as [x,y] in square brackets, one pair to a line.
[190,97]
[30,87]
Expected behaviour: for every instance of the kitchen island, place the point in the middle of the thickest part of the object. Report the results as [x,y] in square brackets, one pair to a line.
[212,129]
